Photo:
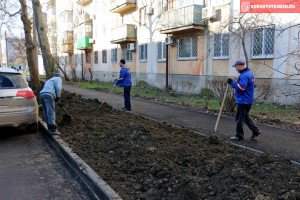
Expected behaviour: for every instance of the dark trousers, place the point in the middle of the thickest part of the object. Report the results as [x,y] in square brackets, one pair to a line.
[127,97]
[242,116]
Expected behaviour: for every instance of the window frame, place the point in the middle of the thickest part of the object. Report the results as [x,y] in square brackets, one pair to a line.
[221,57]
[143,55]
[96,57]
[263,55]
[128,52]
[114,55]
[104,56]
[88,57]
[191,49]
[163,51]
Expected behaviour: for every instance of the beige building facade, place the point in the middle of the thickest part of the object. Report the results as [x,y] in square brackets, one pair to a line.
[182,43]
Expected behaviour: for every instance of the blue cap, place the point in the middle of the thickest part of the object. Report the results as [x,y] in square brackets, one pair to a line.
[57,75]
[238,62]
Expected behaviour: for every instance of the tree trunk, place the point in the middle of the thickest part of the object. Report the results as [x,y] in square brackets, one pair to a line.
[43,39]
[30,49]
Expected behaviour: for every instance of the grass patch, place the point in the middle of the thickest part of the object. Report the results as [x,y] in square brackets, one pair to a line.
[267,111]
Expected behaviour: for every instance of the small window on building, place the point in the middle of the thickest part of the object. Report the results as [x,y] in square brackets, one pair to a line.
[96,57]
[127,54]
[114,55]
[143,51]
[88,57]
[221,46]
[263,43]
[143,16]
[161,51]
[104,56]
[187,48]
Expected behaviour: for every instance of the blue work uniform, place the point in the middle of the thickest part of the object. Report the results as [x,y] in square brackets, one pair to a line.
[126,83]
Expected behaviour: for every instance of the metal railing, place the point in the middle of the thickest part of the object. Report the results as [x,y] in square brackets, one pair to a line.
[125,32]
[185,16]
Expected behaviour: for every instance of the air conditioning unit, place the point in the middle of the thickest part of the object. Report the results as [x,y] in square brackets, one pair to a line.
[170,41]
[92,41]
[131,47]
[209,12]
[149,10]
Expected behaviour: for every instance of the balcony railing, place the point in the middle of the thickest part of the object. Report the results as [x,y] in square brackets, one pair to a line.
[185,18]
[122,6]
[83,18]
[124,34]
[84,2]
[84,43]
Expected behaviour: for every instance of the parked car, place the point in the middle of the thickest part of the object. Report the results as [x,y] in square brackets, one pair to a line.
[18,104]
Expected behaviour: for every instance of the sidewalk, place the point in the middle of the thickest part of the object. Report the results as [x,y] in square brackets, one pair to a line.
[280,142]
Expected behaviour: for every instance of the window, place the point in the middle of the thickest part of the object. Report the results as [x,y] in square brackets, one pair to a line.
[104,56]
[114,55]
[127,54]
[143,52]
[221,46]
[88,57]
[263,43]
[96,59]
[187,48]
[161,51]
[142,15]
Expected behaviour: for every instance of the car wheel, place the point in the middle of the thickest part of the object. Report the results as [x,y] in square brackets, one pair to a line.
[32,128]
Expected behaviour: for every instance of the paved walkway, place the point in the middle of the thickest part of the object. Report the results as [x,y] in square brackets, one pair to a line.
[280,142]
[30,169]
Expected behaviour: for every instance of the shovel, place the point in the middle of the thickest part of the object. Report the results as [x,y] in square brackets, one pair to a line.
[107,96]
[214,139]
[66,117]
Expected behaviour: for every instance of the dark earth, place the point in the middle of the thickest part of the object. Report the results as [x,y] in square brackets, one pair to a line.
[143,159]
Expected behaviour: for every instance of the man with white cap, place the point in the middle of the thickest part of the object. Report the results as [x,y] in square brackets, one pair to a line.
[50,94]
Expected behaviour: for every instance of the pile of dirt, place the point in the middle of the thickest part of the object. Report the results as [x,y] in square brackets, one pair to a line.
[142,159]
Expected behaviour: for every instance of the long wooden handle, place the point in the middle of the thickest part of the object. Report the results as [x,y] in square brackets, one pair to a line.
[107,96]
[221,109]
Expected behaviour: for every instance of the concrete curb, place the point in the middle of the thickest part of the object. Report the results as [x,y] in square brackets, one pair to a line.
[94,182]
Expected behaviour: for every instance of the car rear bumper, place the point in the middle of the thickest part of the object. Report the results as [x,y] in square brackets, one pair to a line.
[19,118]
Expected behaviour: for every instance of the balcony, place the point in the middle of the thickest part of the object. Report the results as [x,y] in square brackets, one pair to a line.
[83,18]
[84,2]
[124,34]
[67,42]
[182,19]
[122,6]
[84,43]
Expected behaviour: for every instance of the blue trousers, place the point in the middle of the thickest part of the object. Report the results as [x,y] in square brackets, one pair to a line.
[48,102]
[127,97]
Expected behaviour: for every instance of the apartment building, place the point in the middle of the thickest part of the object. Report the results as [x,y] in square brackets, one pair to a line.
[179,43]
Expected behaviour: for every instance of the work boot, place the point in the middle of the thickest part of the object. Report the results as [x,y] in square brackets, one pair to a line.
[54,132]
[254,135]
[235,138]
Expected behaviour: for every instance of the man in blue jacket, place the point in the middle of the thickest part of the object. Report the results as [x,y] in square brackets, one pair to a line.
[125,82]
[49,94]
[244,97]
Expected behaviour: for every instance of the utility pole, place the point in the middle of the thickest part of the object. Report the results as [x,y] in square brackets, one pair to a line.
[6,49]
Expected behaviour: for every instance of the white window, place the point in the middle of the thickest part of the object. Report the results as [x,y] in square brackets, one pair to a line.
[127,54]
[187,48]
[143,51]
[161,51]
[221,46]
[263,43]
[114,55]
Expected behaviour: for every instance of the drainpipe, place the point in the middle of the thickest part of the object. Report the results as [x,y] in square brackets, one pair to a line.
[167,66]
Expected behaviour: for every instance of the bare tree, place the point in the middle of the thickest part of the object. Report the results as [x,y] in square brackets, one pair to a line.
[30,48]
[43,39]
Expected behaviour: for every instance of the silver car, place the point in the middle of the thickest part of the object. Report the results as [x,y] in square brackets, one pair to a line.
[18,104]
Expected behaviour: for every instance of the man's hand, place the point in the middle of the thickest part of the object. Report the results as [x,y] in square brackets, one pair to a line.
[229,81]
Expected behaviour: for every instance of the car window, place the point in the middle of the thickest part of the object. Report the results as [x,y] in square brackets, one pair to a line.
[10,81]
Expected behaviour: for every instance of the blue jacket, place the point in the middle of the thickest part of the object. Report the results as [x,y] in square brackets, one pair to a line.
[244,87]
[126,75]
[53,86]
